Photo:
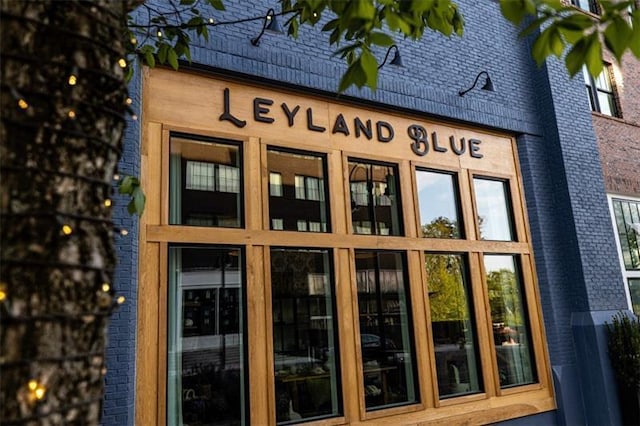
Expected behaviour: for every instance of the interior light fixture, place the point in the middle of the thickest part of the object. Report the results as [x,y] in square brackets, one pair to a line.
[488,84]
[396,60]
[270,24]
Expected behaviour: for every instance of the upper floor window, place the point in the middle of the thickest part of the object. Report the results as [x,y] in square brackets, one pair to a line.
[627,215]
[601,91]
[588,5]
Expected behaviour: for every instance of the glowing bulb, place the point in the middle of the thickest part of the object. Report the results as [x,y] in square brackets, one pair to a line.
[104,371]
[134,117]
[39,392]
[268,17]
[124,232]
[122,63]
[159,33]
[133,40]
[315,14]
[66,230]
[106,287]
[33,385]
[211,20]
[116,177]
[128,101]
[72,114]
[120,300]
[107,203]
[72,80]
[3,295]
[23,104]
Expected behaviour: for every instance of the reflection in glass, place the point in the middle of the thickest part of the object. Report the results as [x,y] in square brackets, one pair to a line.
[386,335]
[438,201]
[634,290]
[205,185]
[453,328]
[297,191]
[375,199]
[492,199]
[305,343]
[627,215]
[206,377]
[509,318]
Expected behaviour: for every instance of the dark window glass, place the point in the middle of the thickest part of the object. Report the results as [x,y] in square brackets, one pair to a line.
[375,197]
[297,191]
[438,202]
[305,342]
[206,363]
[588,5]
[492,203]
[454,337]
[205,183]
[386,334]
[627,216]
[510,324]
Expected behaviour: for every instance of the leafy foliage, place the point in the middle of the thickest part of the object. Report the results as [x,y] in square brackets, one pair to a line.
[131,186]
[567,29]
[624,350]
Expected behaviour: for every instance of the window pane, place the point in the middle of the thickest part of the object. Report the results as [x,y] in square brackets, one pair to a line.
[301,198]
[386,335]
[305,342]
[205,183]
[207,369]
[275,184]
[374,193]
[627,216]
[492,202]
[454,339]
[510,322]
[634,290]
[607,104]
[438,201]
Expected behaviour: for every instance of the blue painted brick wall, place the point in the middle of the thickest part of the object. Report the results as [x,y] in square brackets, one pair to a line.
[572,237]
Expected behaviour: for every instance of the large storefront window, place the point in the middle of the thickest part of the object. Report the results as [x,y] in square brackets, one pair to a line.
[205,183]
[386,334]
[509,319]
[374,198]
[331,266]
[305,343]
[454,337]
[206,361]
[297,191]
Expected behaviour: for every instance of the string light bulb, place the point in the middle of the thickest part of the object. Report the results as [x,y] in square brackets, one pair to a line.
[3,295]
[32,385]
[211,20]
[72,114]
[23,104]
[124,232]
[39,392]
[106,287]
[116,177]
[67,230]
[133,41]
[107,202]
[159,33]
[128,101]
[134,117]
[72,80]
[120,300]
[122,63]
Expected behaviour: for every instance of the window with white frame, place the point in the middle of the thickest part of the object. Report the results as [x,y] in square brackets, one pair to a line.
[626,217]
[601,91]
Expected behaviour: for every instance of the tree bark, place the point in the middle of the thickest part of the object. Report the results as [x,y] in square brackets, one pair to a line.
[60,143]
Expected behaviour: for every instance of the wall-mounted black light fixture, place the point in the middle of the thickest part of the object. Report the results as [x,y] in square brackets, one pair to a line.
[396,60]
[488,84]
[270,24]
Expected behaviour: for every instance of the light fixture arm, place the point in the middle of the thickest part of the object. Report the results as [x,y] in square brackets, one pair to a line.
[268,17]
[488,84]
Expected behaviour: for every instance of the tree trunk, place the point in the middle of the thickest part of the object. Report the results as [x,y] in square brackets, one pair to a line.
[60,143]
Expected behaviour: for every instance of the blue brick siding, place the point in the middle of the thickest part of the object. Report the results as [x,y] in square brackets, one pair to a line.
[571,234]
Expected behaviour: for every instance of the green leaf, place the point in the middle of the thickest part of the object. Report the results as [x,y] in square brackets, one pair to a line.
[149,59]
[125,186]
[594,55]
[576,57]
[381,39]
[541,46]
[370,68]
[555,42]
[162,53]
[617,36]
[634,43]
[172,57]
[513,10]
[216,4]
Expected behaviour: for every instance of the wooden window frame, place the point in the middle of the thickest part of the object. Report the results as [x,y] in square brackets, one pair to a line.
[161,89]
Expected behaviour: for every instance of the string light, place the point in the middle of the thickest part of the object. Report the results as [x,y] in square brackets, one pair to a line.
[72,80]
[3,295]
[211,20]
[39,392]
[107,203]
[106,287]
[67,230]
[159,33]
[124,232]
[122,63]
[23,104]
[72,114]
[133,41]
[134,117]
[120,300]
[33,385]
[116,177]
[128,101]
